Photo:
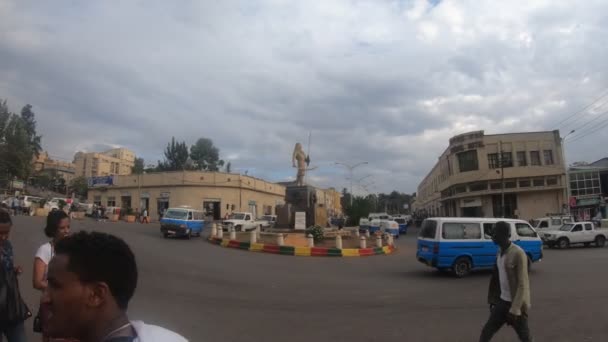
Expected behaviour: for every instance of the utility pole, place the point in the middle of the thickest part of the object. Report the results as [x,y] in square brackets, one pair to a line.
[502,181]
[350,169]
[566,176]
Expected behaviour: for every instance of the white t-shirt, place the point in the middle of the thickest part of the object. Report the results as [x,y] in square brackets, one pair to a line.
[153,333]
[45,253]
[505,290]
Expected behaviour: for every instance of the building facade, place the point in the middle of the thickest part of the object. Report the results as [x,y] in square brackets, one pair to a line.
[215,193]
[589,190]
[118,161]
[66,170]
[477,171]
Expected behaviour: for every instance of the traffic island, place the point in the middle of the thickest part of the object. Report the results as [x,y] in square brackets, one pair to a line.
[342,244]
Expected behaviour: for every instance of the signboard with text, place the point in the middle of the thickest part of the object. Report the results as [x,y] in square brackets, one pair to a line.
[100,181]
[300,220]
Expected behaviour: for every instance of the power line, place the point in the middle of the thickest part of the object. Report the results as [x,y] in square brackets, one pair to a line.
[604,94]
[587,134]
[579,130]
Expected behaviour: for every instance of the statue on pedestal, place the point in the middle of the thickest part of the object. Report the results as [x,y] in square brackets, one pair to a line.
[302,163]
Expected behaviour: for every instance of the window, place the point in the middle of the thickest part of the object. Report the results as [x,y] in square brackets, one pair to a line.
[534,158]
[585,183]
[97,200]
[468,161]
[111,201]
[510,185]
[507,159]
[577,228]
[524,230]
[548,157]
[556,222]
[429,229]
[458,189]
[495,186]
[551,181]
[521,158]
[543,224]
[488,230]
[247,218]
[524,183]
[478,186]
[588,226]
[461,231]
[190,216]
[493,161]
[538,182]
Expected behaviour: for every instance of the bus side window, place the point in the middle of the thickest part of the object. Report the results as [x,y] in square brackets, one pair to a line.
[189,216]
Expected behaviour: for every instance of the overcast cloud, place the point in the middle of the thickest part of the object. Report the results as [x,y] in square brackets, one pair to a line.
[388,82]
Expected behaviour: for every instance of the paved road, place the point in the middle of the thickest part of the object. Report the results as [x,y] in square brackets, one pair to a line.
[209,293]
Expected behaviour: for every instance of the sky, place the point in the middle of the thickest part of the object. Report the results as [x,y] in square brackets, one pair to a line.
[382,82]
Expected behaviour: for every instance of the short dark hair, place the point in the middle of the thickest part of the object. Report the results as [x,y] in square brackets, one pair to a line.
[502,226]
[101,257]
[52,222]
[5,217]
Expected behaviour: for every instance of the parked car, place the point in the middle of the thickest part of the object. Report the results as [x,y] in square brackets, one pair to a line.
[183,221]
[268,221]
[462,244]
[241,222]
[575,233]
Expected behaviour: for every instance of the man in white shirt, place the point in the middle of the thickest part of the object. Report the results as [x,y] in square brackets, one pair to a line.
[91,279]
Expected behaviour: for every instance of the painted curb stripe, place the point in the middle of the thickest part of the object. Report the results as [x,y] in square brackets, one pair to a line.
[271,249]
[257,247]
[350,252]
[318,251]
[302,251]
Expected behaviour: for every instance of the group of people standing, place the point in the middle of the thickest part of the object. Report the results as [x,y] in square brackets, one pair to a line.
[86,281]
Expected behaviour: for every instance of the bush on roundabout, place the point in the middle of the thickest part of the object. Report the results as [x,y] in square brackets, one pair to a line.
[316,232]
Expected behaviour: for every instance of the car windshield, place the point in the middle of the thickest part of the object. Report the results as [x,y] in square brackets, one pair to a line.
[176,214]
[566,227]
[237,217]
[266,218]
[400,220]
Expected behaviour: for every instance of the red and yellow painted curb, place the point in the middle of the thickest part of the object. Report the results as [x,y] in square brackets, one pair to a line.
[303,251]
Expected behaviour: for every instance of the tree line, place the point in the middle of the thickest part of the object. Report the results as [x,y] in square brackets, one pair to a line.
[203,155]
[362,206]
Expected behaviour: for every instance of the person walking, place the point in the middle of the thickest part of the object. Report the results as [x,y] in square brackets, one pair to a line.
[102,269]
[57,228]
[509,292]
[13,311]
[144,216]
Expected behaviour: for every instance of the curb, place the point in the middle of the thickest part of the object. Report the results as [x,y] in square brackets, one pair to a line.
[303,251]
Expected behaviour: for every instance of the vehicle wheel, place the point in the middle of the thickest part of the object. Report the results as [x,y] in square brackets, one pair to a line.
[563,243]
[238,229]
[462,267]
[600,241]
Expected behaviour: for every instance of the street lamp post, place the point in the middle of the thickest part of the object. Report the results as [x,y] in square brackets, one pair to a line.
[350,169]
[567,180]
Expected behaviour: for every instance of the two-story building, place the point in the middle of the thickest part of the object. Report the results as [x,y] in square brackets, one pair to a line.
[501,175]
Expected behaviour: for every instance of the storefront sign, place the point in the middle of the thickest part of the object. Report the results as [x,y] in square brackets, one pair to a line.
[300,220]
[17,184]
[251,202]
[165,194]
[587,201]
[470,202]
[145,195]
[100,181]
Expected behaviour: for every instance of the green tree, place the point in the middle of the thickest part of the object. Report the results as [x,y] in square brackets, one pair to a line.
[79,186]
[228,167]
[29,121]
[361,207]
[176,157]
[205,155]
[138,167]
[15,150]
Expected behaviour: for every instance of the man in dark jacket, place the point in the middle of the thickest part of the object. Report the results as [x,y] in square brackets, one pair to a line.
[509,293]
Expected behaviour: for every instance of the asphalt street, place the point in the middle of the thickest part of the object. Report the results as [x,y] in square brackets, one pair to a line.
[209,293]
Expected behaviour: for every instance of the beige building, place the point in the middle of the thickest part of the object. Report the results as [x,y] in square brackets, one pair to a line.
[330,199]
[213,192]
[467,180]
[118,161]
[66,170]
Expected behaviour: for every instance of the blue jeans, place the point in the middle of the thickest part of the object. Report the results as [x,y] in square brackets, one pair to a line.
[13,333]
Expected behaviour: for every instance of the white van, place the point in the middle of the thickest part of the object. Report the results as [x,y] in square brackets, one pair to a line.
[462,244]
[551,222]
